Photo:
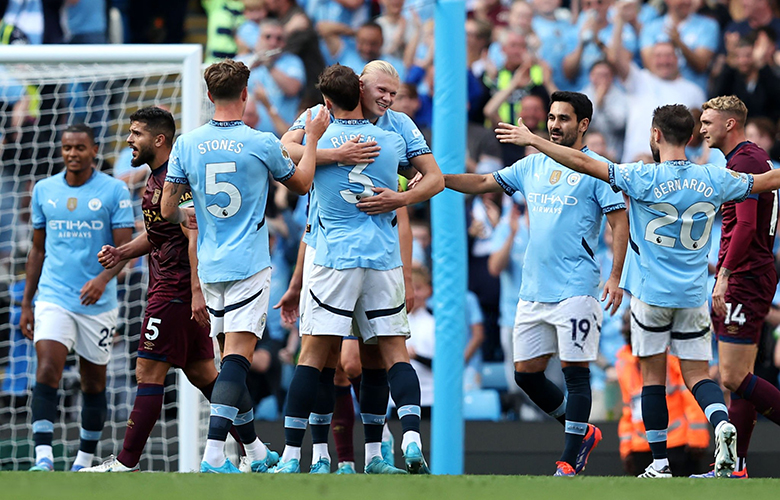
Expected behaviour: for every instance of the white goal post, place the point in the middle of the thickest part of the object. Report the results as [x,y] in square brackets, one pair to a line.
[107,71]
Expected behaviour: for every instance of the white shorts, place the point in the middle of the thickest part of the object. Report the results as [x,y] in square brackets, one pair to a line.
[685,331]
[88,335]
[570,328]
[375,299]
[239,306]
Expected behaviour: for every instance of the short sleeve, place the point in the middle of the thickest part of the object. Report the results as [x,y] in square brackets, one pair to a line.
[38,217]
[278,160]
[511,178]
[415,142]
[736,186]
[473,310]
[634,179]
[176,172]
[300,122]
[608,199]
[403,161]
[122,207]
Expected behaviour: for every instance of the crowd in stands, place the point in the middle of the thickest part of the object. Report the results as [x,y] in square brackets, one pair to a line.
[629,57]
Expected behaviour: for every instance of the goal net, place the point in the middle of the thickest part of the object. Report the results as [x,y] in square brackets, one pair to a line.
[42,90]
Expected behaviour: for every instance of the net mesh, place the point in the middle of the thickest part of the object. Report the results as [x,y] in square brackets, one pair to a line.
[37,101]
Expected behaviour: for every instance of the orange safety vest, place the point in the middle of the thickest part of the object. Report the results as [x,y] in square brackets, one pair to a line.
[687,424]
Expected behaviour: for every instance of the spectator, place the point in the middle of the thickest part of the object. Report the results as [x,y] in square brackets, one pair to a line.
[484,150]
[694,37]
[763,132]
[748,75]
[224,17]
[249,31]
[478,36]
[302,41]
[52,21]
[758,14]
[589,39]
[27,15]
[597,143]
[646,89]
[368,47]
[610,107]
[521,75]
[552,31]
[491,11]
[396,29]
[279,75]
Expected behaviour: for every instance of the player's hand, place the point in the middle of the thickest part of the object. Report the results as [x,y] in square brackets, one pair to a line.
[719,295]
[109,256]
[384,201]
[354,152]
[289,305]
[190,222]
[613,294]
[199,311]
[409,293]
[414,181]
[92,291]
[27,322]
[519,134]
[316,127]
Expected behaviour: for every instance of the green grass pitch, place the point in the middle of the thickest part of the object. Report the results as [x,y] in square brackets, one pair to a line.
[144,486]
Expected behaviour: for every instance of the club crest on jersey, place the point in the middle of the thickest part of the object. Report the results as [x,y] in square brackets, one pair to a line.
[573,179]
[555,176]
[95,204]
[285,153]
[72,204]
[261,325]
[156,196]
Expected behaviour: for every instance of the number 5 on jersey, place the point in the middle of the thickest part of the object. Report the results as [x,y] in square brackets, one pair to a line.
[214,188]
[356,176]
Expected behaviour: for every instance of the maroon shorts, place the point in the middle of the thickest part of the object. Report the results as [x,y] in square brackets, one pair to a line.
[170,335]
[748,298]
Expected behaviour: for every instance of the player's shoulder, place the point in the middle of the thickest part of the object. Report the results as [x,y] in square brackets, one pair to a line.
[750,158]
[110,185]
[396,121]
[50,182]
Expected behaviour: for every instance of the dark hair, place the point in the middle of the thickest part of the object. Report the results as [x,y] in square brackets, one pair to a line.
[675,122]
[606,63]
[81,128]
[765,126]
[341,85]
[372,25]
[158,121]
[583,108]
[226,79]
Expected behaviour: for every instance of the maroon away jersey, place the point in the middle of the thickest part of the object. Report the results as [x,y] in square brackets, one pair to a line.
[169,262]
[749,158]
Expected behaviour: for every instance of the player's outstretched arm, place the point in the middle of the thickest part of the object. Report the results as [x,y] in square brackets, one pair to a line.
[575,160]
[351,152]
[768,181]
[387,200]
[33,274]
[472,183]
[301,180]
[94,288]
[109,256]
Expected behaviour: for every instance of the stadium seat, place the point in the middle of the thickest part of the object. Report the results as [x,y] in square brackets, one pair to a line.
[482,404]
[493,376]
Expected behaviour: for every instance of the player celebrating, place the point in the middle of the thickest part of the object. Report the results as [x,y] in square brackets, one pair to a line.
[74,213]
[558,311]
[746,277]
[226,164]
[176,321]
[356,268]
[672,211]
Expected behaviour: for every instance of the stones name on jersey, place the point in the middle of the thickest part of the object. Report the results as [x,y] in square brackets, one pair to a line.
[220,145]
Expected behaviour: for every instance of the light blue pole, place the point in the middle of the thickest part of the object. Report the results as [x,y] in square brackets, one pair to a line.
[448,224]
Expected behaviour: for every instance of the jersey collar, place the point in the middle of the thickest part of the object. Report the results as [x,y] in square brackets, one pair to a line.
[231,123]
[737,148]
[164,165]
[352,121]
[678,163]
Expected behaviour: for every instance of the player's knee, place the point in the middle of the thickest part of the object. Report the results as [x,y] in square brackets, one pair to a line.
[48,373]
[731,380]
[352,367]
[526,380]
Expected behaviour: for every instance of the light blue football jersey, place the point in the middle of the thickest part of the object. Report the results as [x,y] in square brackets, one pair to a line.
[672,209]
[226,165]
[565,210]
[78,222]
[346,237]
[392,121]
